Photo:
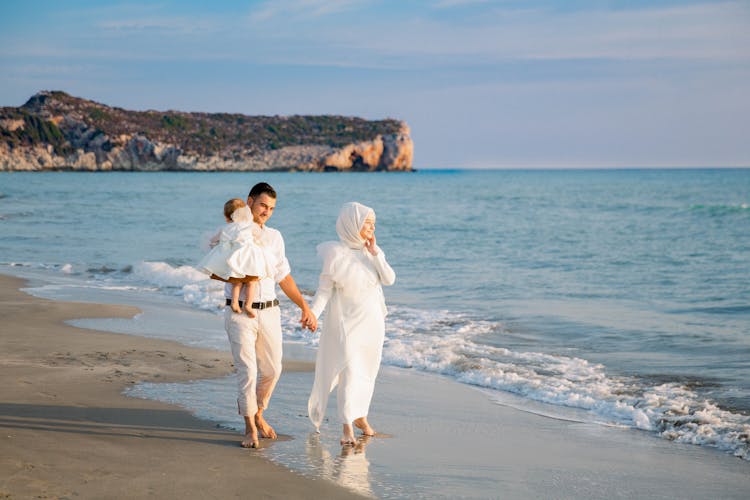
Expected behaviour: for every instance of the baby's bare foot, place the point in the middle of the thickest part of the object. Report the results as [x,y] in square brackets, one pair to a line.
[249,310]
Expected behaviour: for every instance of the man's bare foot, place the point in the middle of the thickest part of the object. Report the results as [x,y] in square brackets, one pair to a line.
[249,310]
[251,439]
[236,307]
[266,430]
[347,436]
[364,426]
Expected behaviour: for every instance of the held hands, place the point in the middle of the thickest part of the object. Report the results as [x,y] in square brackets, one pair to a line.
[371,246]
[308,320]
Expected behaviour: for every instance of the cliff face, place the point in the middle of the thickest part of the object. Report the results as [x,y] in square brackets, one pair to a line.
[55,131]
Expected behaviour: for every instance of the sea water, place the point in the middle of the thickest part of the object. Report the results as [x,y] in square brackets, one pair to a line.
[619,297]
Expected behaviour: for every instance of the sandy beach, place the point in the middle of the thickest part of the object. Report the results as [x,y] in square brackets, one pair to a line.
[67,430]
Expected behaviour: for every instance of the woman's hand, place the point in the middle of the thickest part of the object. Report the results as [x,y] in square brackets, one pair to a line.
[371,246]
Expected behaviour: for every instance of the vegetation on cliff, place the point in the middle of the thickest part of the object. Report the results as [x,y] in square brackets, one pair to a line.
[64,125]
[35,130]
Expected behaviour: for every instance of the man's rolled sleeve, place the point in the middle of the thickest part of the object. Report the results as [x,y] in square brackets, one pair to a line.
[283,269]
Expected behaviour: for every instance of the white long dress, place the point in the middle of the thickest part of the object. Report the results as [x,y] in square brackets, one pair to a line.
[351,340]
[236,254]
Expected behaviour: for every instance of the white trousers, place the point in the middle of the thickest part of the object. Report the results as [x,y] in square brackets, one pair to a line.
[256,348]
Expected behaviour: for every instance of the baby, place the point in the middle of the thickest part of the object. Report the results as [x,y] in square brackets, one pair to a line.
[235,255]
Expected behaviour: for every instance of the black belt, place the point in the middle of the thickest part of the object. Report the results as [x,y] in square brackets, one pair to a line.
[258,305]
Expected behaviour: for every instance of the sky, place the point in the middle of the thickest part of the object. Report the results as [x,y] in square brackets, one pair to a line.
[481,83]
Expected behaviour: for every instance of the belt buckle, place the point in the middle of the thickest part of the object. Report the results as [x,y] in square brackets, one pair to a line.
[265,305]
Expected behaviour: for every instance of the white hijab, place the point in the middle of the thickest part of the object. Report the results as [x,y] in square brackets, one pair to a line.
[351,219]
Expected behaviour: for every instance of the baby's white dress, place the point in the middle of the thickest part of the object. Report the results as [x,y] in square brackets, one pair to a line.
[236,253]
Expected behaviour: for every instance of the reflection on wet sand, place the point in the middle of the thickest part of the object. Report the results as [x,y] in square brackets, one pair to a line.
[349,469]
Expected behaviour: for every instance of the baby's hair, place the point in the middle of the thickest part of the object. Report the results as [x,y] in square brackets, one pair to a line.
[231,206]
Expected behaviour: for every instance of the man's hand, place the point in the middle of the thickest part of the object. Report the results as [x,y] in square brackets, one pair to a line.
[308,319]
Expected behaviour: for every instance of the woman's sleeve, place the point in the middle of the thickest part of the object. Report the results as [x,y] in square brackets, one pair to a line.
[328,253]
[385,272]
[322,295]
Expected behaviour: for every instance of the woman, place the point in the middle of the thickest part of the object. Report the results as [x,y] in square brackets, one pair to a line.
[351,341]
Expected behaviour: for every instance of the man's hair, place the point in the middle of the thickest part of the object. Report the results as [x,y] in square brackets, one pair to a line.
[260,188]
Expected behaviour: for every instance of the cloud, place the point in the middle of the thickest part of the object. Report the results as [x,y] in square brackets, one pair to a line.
[493,33]
[699,31]
[472,33]
[301,9]
[165,25]
[448,4]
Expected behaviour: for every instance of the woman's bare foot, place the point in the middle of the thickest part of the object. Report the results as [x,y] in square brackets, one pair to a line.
[266,430]
[251,439]
[348,436]
[236,306]
[364,426]
[249,310]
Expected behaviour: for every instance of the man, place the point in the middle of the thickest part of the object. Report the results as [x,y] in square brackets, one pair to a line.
[256,342]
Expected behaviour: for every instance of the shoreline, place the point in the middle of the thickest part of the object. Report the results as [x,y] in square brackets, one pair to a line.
[68,429]
[441,438]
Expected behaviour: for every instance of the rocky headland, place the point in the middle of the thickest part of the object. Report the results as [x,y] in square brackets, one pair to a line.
[56,131]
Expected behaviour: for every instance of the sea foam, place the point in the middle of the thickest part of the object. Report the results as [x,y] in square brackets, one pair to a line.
[449,343]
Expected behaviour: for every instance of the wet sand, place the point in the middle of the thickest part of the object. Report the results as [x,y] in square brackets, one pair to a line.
[443,439]
[67,430]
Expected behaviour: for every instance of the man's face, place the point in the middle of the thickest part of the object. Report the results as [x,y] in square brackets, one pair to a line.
[262,207]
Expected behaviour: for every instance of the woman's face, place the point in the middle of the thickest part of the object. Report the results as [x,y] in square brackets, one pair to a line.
[368,228]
